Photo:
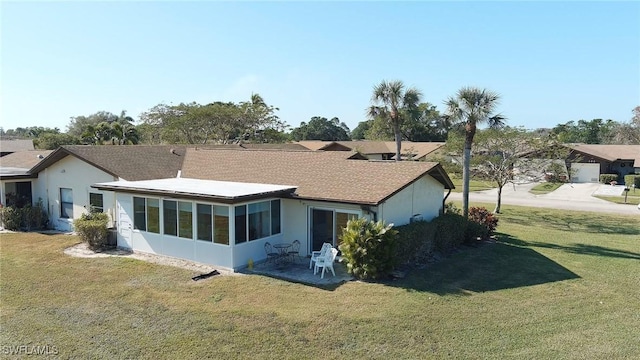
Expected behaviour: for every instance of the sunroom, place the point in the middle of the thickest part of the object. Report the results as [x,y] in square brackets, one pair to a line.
[214,222]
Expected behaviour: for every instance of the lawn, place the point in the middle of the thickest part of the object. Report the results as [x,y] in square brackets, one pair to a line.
[557,284]
[474,185]
[632,199]
[544,188]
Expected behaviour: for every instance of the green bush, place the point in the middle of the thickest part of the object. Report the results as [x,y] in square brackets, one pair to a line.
[450,231]
[11,218]
[486,219]
[608,178]
[34,217]
[92,229]
[632,180]
[416,242]
[368,248]
[451,208]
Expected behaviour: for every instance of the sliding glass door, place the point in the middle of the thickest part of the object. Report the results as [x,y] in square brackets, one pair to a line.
[326,226]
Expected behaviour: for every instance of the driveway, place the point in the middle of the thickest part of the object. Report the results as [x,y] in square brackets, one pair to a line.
[568,196]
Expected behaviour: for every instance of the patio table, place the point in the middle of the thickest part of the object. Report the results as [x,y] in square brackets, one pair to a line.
[283,249]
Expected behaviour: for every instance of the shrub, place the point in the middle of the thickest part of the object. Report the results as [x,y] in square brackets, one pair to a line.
[449,231]
[608,178]
[34,217]
[416,242]
[11,218]
[451,208]
[486,219]
[92,229]
[632,180]
[368,248]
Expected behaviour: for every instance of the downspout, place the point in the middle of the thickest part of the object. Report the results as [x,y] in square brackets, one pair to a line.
[368,210]
[444,201]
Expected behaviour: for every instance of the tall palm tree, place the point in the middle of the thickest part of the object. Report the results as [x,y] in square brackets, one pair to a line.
[393,102]
[472,107]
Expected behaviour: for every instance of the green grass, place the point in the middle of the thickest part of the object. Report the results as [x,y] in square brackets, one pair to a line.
[631,199]
[557,284]
[474,185]
[544,188]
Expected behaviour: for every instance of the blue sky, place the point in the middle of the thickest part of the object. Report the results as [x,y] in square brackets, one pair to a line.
[552,62]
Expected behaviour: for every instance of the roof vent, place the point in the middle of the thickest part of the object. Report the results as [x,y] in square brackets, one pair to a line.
[39,156]
[173,151]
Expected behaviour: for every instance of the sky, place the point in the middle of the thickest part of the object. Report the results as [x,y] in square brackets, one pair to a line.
[551,62]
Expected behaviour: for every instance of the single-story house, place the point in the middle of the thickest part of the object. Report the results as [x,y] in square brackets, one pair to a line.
[588,161]
[221,205]
[377,150]
[15,178]
[8,146]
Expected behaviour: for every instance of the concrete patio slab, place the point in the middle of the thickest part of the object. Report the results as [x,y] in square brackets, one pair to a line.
[298,271]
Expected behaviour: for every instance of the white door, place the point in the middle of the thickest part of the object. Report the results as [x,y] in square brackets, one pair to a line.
[124,222]
[585,172]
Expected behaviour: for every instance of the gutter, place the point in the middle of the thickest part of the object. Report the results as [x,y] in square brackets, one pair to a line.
[444,201]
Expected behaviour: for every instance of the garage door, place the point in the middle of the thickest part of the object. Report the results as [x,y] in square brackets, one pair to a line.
[585,172]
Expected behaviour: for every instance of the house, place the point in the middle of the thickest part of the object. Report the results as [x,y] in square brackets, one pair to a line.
[15,179]
[8,146]
[588,161]
[377,150]
[221,205]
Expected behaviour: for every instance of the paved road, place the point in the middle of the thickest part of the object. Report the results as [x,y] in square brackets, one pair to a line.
[568,196]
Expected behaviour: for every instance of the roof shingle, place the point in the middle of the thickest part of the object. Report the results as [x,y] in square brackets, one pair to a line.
[318,175]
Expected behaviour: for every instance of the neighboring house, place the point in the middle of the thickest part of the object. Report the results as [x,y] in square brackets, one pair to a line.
[588,161]
[16,180]
[10,146]
[221,205]
[377,150]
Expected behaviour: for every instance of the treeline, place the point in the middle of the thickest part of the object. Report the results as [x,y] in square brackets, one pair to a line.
[255,121]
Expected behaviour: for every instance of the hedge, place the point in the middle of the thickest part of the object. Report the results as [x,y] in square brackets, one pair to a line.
[632,180]
[607,178]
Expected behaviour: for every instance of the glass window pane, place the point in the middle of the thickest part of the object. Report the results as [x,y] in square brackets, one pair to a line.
[66,210]
[204,223]
[259,220]
[221,224]
[96,202]
[66,195]
[185,218]
[275,217]
[153,215]
[170,213]
[139,215]
[241,224]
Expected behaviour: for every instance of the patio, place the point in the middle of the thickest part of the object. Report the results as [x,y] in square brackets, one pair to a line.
[298,271]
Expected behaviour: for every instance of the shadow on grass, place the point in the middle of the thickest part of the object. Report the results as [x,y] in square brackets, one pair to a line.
[580,249]
[495,266]
[576,221]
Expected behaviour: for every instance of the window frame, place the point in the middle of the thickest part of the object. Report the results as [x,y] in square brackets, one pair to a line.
[94,208]
[63,212]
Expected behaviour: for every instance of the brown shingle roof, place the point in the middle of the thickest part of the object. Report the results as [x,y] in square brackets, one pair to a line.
[24,159]
[129,162]
[318,175]
[369,147]
[610,152]
[8,146]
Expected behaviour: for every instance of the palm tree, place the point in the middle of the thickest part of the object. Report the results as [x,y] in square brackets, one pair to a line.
[391,101]
[472,107]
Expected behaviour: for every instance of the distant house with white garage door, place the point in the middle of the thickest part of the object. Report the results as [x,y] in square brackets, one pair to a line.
[220,206]
[588,161]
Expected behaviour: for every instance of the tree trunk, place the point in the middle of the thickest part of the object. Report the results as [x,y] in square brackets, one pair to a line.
[499,202]
[396,130]
[465,179]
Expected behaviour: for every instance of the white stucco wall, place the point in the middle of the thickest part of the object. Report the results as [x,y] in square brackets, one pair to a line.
[423,197]
[74,174]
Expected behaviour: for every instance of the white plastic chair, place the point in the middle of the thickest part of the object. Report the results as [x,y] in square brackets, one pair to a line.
[316,254]
[325,262]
